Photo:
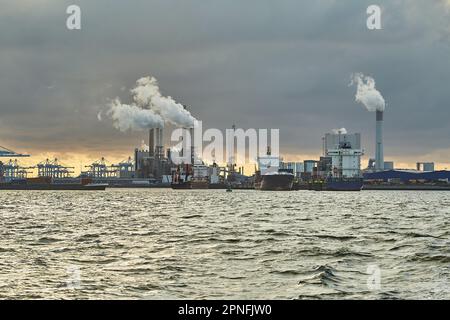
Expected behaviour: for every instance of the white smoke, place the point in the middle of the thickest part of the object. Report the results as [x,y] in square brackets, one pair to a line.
[149,109]
[339,131]
[144,146]
[131,117]
[147,95]
[366,92]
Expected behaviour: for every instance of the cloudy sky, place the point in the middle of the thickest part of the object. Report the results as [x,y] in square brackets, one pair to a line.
[257,63]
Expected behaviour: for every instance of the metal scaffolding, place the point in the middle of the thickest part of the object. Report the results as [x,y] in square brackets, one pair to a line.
[101,169]
[124,168]
[12,170]
[53,169]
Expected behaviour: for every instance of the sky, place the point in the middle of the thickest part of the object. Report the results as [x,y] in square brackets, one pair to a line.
[256,63]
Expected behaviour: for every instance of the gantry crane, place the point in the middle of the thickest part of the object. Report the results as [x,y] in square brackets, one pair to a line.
[53,169]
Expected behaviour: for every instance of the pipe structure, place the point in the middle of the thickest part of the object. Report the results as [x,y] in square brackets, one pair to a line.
[379,153]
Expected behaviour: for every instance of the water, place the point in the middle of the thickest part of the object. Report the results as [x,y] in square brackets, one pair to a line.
[161,243]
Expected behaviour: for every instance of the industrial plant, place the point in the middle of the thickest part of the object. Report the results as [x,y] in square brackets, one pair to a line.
[337,169]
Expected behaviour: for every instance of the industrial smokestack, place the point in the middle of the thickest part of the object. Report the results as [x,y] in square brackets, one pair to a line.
[371,98]
[379,153]
[151,142]
[156,142]
[191,130]
[159,142]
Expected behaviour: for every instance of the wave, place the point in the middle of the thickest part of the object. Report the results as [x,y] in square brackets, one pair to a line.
[48,240]
[332,236]
[289,272]
[430,258]
[323,275]
[419,235]
[191,216]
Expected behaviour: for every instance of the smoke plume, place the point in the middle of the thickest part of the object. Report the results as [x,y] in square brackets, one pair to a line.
[147,95]
[131,117]
[366,92]
[144,146]
[339,131]
[149,109]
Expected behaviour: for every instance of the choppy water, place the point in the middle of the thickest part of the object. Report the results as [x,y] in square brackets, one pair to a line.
[160,243]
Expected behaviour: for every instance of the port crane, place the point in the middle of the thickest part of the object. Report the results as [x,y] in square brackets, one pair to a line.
[124,167]
[100,169]
[53,169]
[12,169]
[8,153]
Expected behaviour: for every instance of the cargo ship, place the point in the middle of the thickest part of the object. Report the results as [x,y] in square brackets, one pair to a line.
[47,183]
[190,177]
[276,181]
[337,184]
[345,173]
[270,177]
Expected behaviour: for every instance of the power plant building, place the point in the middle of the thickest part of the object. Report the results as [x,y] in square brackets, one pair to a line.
[344,152]
[152,163]
[333,140]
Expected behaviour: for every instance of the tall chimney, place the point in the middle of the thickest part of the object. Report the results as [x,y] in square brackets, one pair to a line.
[159,142]
[151,142]
[379,154]
[156,142]
[191,131]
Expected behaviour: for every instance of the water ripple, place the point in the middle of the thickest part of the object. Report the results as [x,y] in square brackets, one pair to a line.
[157,243]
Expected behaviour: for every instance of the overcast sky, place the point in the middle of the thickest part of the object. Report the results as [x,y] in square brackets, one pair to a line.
[256,63]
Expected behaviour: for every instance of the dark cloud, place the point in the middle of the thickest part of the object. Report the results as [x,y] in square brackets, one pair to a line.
[283,64]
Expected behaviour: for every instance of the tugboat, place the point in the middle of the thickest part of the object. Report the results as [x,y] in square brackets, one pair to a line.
[270,177]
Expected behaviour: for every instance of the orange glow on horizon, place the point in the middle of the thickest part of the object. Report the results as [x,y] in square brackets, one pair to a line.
[79,160]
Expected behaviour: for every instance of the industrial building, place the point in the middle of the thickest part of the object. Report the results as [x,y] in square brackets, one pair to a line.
[333,140]
[425,166]
[341,159]
[153,163]
[293,167]
[344,151]
[406,176]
